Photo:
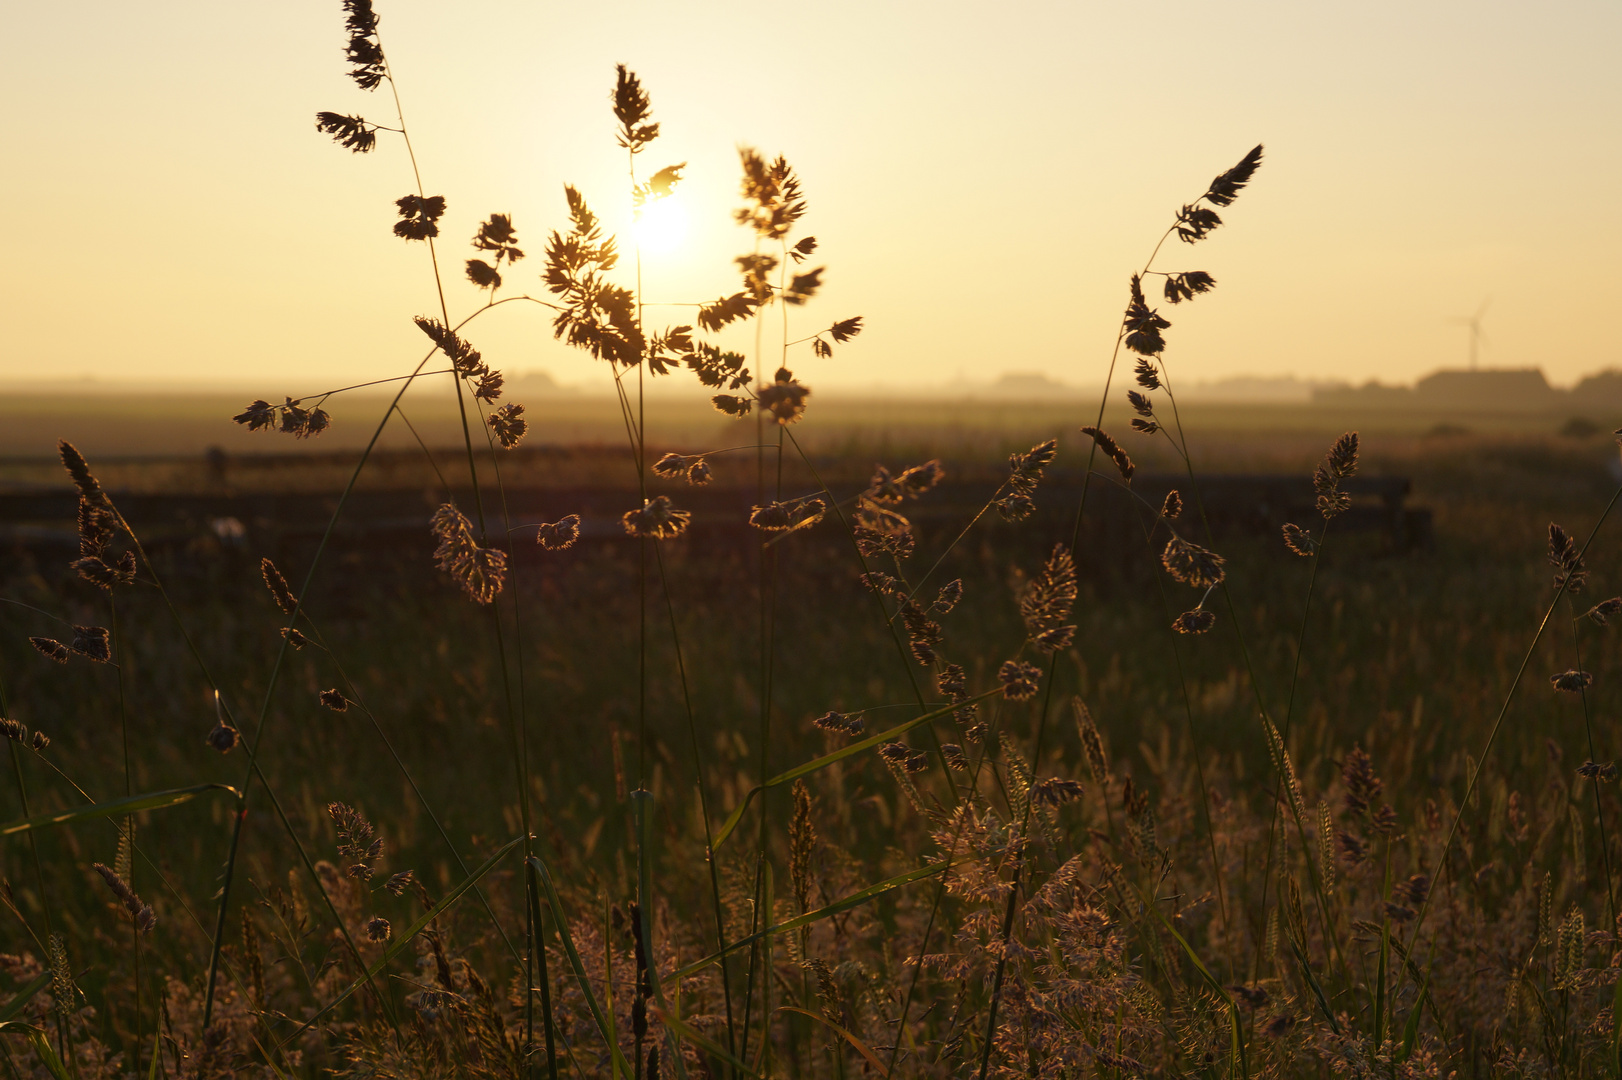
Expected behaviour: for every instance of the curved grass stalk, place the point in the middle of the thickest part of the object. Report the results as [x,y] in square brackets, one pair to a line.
[1492,734]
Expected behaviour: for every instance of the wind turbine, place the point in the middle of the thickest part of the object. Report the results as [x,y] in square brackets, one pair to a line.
[1476,336]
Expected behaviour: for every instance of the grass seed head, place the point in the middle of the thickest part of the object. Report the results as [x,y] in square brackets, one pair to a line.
[223,737]
[1571,682]
[278,587]
[1106,443]
[50,648]
[92,643]
[1603,612]
[785,399]
[508,424]
[559,534]
[1567,559]
[1197,621]
[79,471]
[1299,540]
[140,914]
[480,571]
[1192,565]
[1020,680]
[657,519]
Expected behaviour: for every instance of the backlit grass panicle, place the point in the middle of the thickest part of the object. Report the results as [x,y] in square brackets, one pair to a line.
[97,572]
[1198,621]
[50,648]
[1092,743]
[141,915]
[353,133]
[923,633]
[358,842]
[1326,848]
[92,643]
[787,516]
[64,991]
[1338,466]
[223,737]
[1106,443]
[96,522]
[1363,784]
[887,490]
[364,53]
[1571,682]
[1046,601]
[508,425]
[1299,541]
[559,534]
[499,241]
[1025,470]
[802,845]
[1172,508]
[1020,680]
[785,398]
[480,571]
[1567,559]
[774,202]
[1603,612]
[419,216]
[334,699]
[79,471]
[1142,326]
[657,519]
[1191,564]
[597,315]
[278,587]
[632,107]
[691,467]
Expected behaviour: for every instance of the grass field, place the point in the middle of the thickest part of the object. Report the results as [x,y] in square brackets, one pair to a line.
[900,735]
[1407,656]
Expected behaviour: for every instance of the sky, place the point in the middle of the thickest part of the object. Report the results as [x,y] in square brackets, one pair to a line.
[982,181]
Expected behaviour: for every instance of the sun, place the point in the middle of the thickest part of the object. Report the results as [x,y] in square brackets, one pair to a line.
[661,226]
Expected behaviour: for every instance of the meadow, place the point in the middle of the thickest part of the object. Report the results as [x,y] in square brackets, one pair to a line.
[925,741]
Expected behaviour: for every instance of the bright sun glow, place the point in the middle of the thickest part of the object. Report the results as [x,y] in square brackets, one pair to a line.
[662,226]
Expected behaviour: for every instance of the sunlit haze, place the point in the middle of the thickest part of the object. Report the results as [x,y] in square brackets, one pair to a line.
[982,181]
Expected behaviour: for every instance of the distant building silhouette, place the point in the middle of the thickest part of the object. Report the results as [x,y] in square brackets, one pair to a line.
[1602,390]
[1504,389]
[1512,390]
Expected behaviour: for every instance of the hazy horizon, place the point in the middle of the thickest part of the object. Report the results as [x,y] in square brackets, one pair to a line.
[982,187]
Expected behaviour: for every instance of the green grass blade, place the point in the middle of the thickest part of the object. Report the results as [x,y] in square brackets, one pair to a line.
[1236,1036]
[688,1033]
[1379,985]
[818,763]
[643,803]
[564,936]
[132,804]
[404,938]
[853,900]
[23,996]
[1312,983]
[861,1047]
[42,1047]
[157,1055]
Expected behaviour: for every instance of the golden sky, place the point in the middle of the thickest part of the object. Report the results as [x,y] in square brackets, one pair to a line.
[982,178]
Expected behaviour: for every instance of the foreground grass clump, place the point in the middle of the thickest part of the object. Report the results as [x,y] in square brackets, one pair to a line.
[822,782]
